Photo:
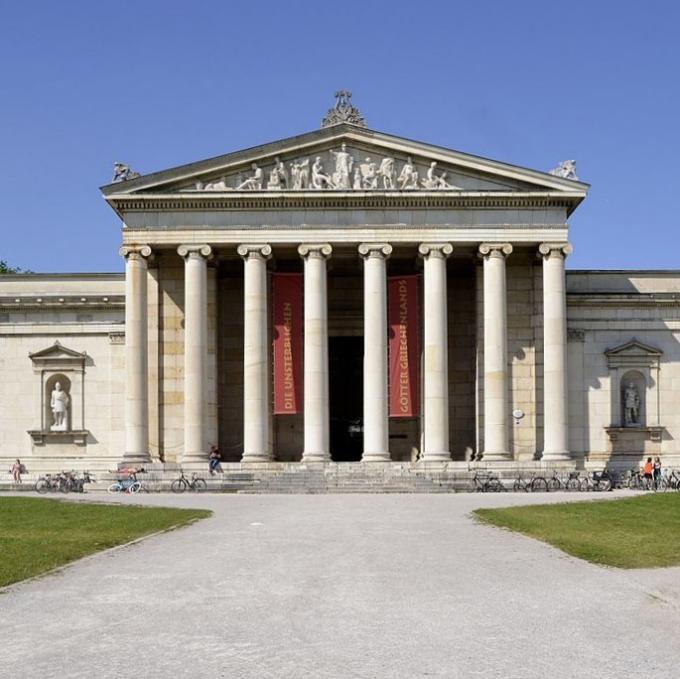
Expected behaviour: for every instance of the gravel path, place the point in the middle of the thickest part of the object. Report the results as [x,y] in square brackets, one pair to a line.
[341,586]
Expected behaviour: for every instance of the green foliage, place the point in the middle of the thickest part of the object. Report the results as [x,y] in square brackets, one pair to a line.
[6,268]
[37,535]
[640,532]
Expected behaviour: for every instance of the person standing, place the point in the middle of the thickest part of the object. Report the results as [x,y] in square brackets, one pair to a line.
[657,472]
[648,473]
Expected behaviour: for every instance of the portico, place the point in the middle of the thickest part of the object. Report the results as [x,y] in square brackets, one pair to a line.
[486,241]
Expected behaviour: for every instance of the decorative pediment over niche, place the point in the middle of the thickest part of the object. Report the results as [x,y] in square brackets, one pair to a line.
[633,353]
[345,158]
[58,357]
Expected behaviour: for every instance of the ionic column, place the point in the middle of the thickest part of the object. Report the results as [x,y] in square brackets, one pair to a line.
[316,407]
[255,353]
[435,353]
[555,423]
[376,430]
[496,413]
[136,354]
[195,350]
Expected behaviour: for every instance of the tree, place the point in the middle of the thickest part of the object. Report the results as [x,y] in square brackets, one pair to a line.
[6,268]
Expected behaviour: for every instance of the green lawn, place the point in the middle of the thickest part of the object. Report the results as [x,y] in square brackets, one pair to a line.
[38,535]
[639,532]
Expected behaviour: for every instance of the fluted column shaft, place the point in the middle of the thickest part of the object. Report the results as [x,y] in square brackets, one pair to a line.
[376,429]
[496,413]
[136,354]
[316,403]
[435,353]
[255,353]
[555,423]
[195,350]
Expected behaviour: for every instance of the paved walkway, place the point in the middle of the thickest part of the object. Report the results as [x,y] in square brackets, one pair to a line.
[333,586]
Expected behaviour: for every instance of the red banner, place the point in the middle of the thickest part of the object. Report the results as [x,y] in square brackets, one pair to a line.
[287,342]
[404,349]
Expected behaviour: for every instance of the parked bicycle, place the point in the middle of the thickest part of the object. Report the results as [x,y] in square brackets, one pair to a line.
[486,482]
[570,482]
[127,483]
[195,483]
[536,484]
[596,481]
[52,483]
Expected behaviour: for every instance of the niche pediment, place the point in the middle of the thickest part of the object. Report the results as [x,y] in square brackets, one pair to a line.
[58,357]
[633,353]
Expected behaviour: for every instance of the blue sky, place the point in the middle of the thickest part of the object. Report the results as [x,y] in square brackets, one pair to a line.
[158,84]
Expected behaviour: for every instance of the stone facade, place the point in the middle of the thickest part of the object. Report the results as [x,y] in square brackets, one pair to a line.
[175,356]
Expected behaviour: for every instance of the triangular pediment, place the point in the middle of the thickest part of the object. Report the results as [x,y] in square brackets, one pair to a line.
[633,348]
[57,352]
[346,158]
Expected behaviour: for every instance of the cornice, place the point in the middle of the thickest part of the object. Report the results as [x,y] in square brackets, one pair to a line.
[341,200]
[61,302]
[589,299]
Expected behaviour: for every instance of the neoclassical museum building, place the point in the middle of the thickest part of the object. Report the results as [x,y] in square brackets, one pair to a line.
[342,295]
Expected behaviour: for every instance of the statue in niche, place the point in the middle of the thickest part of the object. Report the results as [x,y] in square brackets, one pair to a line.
[631,405]
[299,172]
[59,404]
[369,176]
[320,180]
[387,173]
[408,177]
[435,181]
[253,183]
[343,168]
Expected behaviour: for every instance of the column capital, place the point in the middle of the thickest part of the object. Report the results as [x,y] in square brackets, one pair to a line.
[254,250]
[487,250]
[378,250]
[439,250]
[195,250]
[315,250]
[547,250]
[135,252]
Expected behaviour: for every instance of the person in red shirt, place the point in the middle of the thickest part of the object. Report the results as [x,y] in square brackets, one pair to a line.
[647,472]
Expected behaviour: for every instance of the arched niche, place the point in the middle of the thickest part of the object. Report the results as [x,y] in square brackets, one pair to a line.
[53,364]
[58,403]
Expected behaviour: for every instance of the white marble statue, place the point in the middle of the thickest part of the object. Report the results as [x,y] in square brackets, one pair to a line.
[59,405]
[631,405]
[123,172]
[387,173]
[320,180]
[280,169]
[343,168]
[299,173]
[408,177]
[369,174]
[253,183]
[356,179]
[219,185]
[566,169]
[433,180]
[274,182]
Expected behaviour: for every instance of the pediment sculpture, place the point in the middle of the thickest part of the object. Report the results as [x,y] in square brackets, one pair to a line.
[339,170]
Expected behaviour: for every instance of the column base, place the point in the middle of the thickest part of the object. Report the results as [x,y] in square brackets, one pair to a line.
[496,456]
[439,456]
[135,458]
[376,457]
[556,456]
[255,458]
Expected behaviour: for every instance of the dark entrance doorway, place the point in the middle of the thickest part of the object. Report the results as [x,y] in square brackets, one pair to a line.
[346,397]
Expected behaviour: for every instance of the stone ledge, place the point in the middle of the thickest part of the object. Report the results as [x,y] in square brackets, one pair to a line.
[654,433]
[41,438]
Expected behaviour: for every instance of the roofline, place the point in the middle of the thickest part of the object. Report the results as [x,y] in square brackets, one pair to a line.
[75,276]
[180,171]
[638,272]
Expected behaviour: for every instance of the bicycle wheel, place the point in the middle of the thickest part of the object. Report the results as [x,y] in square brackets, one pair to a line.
[199,485]
[178,486]
[64,487]
[114,488]
[517,486]
[554,485]
[662,485]
[583,485]
[134,487]
[604,485]
[572,484]
[41,486]
[539,485]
